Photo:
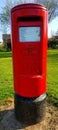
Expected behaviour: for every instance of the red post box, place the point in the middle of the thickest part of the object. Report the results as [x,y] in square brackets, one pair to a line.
[29,47]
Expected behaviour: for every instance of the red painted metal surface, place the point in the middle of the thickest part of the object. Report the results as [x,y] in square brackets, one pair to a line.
[29,58]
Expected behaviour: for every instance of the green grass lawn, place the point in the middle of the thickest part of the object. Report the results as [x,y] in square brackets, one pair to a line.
[6,76]
[52,76]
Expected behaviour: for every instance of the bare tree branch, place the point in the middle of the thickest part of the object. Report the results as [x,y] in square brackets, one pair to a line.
[52,5]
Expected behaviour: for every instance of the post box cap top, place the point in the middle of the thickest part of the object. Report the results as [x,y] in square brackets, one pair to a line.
[28,5]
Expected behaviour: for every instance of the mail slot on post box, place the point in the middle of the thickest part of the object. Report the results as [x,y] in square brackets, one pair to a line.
[29,47]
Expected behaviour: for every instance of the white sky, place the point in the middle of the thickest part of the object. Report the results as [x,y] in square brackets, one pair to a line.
[52,27]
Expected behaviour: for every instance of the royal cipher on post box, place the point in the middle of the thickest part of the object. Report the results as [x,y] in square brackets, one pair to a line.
[29,50]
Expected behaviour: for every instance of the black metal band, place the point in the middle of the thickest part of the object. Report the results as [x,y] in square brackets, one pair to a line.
[29,110]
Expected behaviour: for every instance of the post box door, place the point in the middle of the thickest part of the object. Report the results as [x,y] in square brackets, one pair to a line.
[30,48]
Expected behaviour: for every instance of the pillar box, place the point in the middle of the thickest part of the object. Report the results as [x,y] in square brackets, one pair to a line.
[29,23]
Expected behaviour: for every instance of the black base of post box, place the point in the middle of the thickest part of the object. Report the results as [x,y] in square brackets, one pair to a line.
[29,110]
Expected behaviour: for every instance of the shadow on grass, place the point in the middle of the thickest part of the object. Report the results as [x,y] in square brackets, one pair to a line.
[9,122]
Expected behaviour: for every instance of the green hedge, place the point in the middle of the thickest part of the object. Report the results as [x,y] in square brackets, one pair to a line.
[5,54]
[53,43]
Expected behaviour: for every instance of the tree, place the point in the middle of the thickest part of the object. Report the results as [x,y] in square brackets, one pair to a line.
[5,18]
[52,6]
[5,15]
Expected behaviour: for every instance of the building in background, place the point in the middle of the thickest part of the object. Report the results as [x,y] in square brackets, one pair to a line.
[7,41]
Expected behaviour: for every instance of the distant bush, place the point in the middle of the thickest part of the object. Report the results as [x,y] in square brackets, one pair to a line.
[2,48]
[53,43]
